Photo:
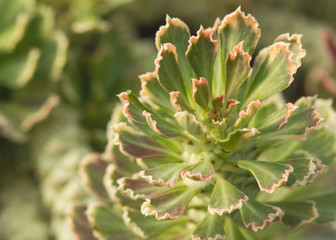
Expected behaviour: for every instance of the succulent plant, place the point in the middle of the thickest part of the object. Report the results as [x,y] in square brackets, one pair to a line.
[209,139]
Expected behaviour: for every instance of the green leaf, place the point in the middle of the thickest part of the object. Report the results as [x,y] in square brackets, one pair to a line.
[79,222]
[162,127]
[246,115]
[107,222]
[237,69]
[326,207]
[201,92]
[92,170]
[233,232]
[132,108]
[189,123]
[257,215]
[166,174]
[169,205]
[305,168]
[235,28]
[152,91]
[302,122]
[147,227]
[201,53]
[211,228]
[238,138]
[203,170]
[269,176]
[177,33]
[295,46]
[133,144]
[225,198]
[178,103]
[297,213]
[138,188]
[272,72]
[274,120]
[169,73]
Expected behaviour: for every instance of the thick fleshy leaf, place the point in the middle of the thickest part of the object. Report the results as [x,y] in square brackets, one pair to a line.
[151,90]
[272,72]
[203,170]
[189,123]
[92,169]
[302,122]
[162,127]
[132,108]
[235,28]
[257,215]
[238,138]
[169,205]
[275,120]
[166,174]
[305,169]
[201,92]
[321,143]
[326,207]
[177,33]
[137,188]
[295,46]
[133,144]
[201,53]
[211,228]
[79,223]
[268,175]
[178,103]
[147,227]
[297,213]
[107,222]
[225,198]
[169,73]
[246,115]
[237,69]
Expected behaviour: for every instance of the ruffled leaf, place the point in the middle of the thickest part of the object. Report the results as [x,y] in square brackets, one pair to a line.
[178,103]
[152,91]
[138,188]
[326,207]
[189,123]
[235,28]
[201,53]
[160,126]
[269,176]
[304,169]
[211,228]
[246,115]
[203,170]
[168,71]
[225,198]
[238,138]
[166,174]
[302,122]
[257,215]
[146,227]
[169,205]
[297,213]
[237,69]
[275,120]
[133,144]
[295,46]
[107,222]
[132,108]
[177,33]
[201,92]
[272,72]
[92,169]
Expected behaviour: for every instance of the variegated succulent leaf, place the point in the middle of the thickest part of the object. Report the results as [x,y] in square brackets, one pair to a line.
[204,128]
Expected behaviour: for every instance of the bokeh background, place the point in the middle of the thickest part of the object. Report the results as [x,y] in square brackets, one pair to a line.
[62,63]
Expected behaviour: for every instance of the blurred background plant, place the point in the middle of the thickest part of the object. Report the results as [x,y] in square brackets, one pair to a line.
[62,62]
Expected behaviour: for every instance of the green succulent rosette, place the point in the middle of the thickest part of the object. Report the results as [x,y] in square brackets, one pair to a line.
[209,135]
